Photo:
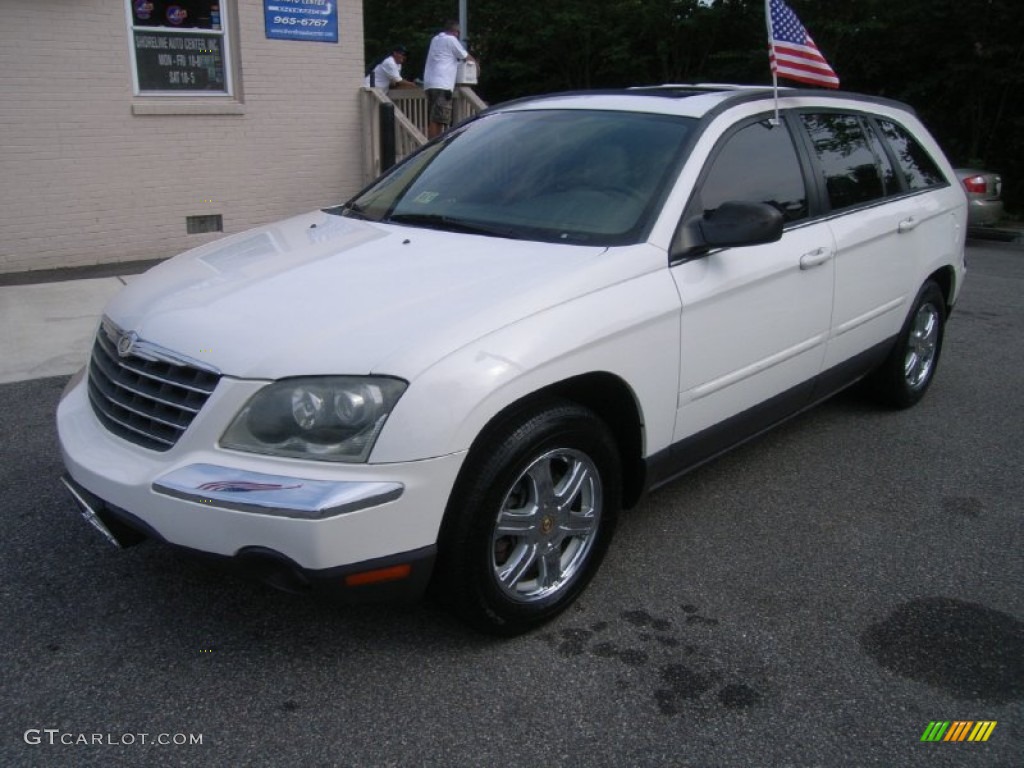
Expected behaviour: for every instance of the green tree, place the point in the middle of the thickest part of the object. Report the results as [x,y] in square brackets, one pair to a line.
[960,63]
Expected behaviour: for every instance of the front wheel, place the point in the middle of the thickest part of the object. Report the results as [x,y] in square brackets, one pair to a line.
[905,376]
[530,519]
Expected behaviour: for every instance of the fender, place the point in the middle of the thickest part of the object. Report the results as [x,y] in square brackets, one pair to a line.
[446,407]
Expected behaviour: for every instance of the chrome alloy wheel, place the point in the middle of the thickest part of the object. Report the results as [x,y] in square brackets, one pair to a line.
[922,345]
[547,525]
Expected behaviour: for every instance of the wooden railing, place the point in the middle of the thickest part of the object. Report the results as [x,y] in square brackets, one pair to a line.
[408,138]
[410,121]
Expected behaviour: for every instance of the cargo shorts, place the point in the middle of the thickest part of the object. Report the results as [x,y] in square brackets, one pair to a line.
[439,106]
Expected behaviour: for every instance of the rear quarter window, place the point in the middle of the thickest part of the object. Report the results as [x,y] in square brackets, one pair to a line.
[919,169]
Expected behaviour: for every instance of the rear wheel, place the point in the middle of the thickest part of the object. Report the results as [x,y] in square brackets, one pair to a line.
[531,518]
[905,376]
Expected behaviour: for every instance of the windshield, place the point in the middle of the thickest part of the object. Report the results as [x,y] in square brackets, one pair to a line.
[577,176]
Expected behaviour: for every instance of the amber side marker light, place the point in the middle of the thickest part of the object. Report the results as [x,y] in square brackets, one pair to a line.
[394,573]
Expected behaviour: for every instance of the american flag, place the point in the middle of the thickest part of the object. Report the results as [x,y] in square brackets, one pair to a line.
[793,53]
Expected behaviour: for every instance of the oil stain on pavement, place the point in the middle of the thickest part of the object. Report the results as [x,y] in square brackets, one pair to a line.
[972,652]
[641,640]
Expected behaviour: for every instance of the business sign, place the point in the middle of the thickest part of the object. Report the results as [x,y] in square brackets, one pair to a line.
[179,62]
[314,20]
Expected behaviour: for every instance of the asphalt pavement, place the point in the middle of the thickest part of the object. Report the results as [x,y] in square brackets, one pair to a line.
[818,597]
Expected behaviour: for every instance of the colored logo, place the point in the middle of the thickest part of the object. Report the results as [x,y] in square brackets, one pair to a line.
[958,730]
[176,15]
[143,9]
[243,486]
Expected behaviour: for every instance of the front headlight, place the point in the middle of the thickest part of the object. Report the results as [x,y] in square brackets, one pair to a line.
[328,418]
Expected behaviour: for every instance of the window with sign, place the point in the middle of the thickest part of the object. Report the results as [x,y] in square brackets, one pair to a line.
[179,48]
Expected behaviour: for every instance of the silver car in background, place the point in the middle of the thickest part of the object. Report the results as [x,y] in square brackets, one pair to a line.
[984,196]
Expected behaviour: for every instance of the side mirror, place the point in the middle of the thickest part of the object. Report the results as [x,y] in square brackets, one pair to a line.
[734,224]
[730,225]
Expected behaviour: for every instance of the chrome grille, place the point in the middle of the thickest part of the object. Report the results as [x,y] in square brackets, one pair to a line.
[148,396]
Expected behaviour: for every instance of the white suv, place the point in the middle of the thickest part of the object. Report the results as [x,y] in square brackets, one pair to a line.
[461,376]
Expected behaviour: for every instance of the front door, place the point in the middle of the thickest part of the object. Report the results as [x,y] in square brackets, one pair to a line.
[755,320]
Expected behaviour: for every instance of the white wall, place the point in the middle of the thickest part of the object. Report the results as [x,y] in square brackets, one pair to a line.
[87,178]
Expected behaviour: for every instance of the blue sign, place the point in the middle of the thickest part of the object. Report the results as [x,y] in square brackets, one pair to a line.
[315,20]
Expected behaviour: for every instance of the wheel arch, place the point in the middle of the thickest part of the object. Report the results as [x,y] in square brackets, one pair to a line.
[608,396]
[945,278]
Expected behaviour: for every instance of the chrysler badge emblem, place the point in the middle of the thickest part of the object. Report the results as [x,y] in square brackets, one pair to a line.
[126,343]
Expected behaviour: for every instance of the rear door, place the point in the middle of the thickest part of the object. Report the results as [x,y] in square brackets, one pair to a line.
[882,218]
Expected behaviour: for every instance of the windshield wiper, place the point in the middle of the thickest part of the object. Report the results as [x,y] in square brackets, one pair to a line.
[450,224]
[350,209]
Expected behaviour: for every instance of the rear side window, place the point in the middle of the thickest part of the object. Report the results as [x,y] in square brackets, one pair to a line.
[918,167]
[756,164]
[850,166]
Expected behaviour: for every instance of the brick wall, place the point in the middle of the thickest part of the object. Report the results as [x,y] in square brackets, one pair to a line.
[86,177]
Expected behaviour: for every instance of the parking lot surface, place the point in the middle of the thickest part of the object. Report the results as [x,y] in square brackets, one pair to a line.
[817,597]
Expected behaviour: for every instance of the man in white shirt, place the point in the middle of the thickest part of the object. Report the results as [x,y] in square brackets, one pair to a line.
[439,77]
[388,73]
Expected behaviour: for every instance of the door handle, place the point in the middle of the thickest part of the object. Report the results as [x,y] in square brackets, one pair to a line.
[815,258]
[907,224]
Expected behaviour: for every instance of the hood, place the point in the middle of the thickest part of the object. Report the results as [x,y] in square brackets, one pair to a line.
[322,294]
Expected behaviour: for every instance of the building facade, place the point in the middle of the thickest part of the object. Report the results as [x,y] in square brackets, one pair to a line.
[133,130]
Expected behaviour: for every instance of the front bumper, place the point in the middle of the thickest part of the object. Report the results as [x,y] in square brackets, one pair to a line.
[299,525]
[401,576]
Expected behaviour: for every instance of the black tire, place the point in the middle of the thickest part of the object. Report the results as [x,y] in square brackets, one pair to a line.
[550,476]
[908,371]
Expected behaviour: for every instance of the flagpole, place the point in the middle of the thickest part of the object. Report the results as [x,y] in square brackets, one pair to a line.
[771,51]
[775,90]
